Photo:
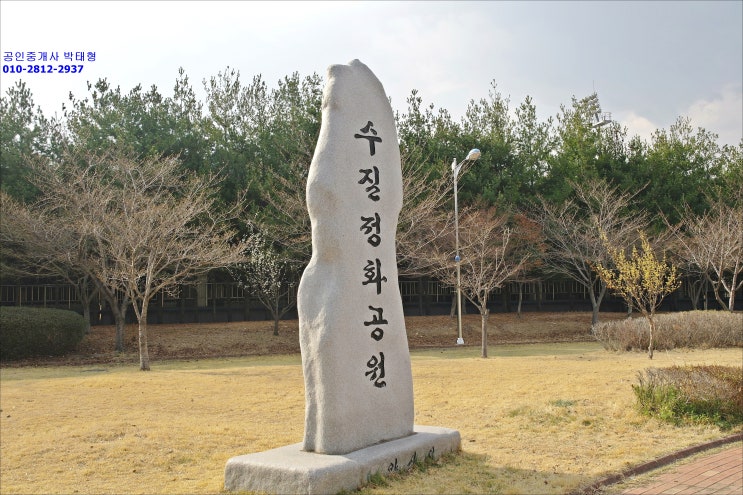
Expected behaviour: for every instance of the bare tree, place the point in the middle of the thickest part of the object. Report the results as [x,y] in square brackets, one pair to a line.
[712,243]
[34,244]
[573,234]
[286,220]
[270,276]
[143,226]
[492,251]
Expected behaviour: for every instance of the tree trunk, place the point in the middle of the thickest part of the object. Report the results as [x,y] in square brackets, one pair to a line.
[596,303]
[276,315]
[731,299]
[118,312]
[484,312]
[716,291]
[120,321]
[521,299]
[144,352]
[595,308]
[539,295]
[651,323]
[695,289]
[86,316]
[86,298]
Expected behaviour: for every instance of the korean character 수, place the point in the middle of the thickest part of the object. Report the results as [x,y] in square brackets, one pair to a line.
[91,56]
[69,56]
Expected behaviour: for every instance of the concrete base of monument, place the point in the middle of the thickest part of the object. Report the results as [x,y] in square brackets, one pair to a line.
[291,470]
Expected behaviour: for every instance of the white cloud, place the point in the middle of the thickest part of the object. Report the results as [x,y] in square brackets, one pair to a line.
[637,125]
[722,114]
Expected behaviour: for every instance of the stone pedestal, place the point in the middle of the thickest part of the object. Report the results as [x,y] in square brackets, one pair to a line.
[290,470]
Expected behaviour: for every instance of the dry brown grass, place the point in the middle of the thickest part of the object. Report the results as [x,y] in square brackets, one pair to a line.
[254,338]
[534,418]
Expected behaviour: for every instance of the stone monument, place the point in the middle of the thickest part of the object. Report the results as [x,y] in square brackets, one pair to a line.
[358,381]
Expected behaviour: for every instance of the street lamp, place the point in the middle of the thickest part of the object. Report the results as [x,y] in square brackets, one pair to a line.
[473,155]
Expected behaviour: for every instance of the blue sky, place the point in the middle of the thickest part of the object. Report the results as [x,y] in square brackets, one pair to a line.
[649,62]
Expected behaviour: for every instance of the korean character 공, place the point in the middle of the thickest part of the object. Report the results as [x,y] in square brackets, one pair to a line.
[7,56]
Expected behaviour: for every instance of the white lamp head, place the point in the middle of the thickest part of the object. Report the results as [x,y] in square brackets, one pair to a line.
[474,154]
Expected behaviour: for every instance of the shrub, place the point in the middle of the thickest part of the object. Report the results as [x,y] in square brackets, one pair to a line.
[26,332]
[702,329]
[692,394]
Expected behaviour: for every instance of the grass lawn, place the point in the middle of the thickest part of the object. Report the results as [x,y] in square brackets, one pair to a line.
[534,418]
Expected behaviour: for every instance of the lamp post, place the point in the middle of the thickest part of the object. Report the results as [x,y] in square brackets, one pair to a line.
[473,155]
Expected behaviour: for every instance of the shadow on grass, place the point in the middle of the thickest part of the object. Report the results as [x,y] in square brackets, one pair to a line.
[467,472]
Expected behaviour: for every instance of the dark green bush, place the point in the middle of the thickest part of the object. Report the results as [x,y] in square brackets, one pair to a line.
[26,332]
[692,394]
[687,329]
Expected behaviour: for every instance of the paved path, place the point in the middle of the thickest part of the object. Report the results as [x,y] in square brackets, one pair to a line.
[716,474]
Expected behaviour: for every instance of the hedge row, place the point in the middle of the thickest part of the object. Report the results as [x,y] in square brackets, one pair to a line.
[26,332]
[689,329]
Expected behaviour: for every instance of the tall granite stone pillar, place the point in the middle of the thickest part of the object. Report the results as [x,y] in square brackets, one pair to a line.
[358,383]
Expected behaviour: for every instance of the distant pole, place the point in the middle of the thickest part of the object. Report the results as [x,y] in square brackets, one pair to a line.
[473,155]
[460,340]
